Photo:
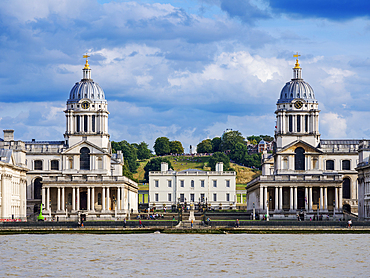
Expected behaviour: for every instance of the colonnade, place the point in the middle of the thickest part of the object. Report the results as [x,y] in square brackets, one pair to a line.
[293,194]
[76,206]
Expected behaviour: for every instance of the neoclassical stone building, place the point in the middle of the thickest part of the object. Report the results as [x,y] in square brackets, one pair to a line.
[304,173]
[12,186]
[79,175]
[216,188]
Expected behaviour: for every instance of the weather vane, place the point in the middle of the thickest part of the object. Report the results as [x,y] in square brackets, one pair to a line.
[296,62]
[87,64]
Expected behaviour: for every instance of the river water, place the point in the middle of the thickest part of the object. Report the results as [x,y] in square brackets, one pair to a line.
[162,255]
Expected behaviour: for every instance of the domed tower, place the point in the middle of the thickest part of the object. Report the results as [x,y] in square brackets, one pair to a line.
[297,113]
[86,113]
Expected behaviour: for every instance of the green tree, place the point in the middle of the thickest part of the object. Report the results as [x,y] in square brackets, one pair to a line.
[238,153]
[253,139]
[230,139]
[155,165]
[267,138]
[162,146]
[143,151]
[216,143]
[253,160]
[219,157]
[176,147]
[205,146]
[129,154]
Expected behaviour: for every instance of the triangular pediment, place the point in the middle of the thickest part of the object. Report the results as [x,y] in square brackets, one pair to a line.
[302,144]
[75,149]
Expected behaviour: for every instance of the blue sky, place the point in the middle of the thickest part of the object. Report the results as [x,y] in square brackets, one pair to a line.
[183,69]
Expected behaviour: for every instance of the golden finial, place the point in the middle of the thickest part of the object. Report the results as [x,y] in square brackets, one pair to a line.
[87,63]
[296,66]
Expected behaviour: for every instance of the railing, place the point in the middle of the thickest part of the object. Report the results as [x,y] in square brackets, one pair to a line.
[305,178]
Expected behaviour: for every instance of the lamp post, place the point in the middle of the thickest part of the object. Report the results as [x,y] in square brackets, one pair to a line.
[254,211]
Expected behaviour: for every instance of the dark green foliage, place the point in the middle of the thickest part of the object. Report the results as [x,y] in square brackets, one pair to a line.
[142,151]
[162,146]
[238,153]
[266,138]
[155,165]
[205,146]
[176,147]
[230,139]
[219,157]
[216,143]
[129,154]
[253,160]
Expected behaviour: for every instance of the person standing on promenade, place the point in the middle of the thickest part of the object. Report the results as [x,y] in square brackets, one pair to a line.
[237,223]
[192,223]
[124,222]
[140,224]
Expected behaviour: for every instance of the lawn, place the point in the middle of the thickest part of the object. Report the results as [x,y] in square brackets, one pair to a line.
[179,163]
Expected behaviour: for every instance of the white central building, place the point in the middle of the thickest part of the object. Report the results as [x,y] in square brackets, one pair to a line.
[217,188]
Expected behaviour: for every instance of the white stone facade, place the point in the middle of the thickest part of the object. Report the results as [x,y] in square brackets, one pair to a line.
[12,187]
[216,188]
[363,169]
[305,174]
[79,175]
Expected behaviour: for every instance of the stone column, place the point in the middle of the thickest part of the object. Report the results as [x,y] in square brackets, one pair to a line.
[291,198]
[340,205]
[265,198]
[103,198]
[261,198]
[123,198]
[88,199]
[295,198]
[280,198]
[321,198]
[310,199]
[58,200]
[78,198]
[108,201]
[118,207]
[43,197]
[336,198]
[48,198]
[306,198]
[73,198]
[325,198]
[276,198]
[92,198]
[63,199]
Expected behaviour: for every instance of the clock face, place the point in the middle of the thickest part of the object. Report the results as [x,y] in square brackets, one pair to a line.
[85,105]
[298,104]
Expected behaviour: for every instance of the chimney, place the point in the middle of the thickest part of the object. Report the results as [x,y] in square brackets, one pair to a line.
[8,135]
[219,167]
[164,167]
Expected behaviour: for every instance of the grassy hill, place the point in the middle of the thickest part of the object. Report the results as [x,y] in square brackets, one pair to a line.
[179,163]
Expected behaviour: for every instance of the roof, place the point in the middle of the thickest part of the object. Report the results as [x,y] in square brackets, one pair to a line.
[190,170]
[5,155]
[340,142]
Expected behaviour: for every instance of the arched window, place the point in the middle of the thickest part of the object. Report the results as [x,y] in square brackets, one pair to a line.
[100,163]
[330,165]
[298,123]
[99,199]
[192,183]
[37,188]
[37,165]
[54,165]
[346,165]
[299,159]
[346,187]
[85,159]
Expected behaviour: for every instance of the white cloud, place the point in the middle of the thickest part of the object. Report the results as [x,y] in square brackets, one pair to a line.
[333,125]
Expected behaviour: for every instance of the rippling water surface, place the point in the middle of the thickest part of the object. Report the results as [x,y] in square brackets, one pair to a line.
[161,255]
